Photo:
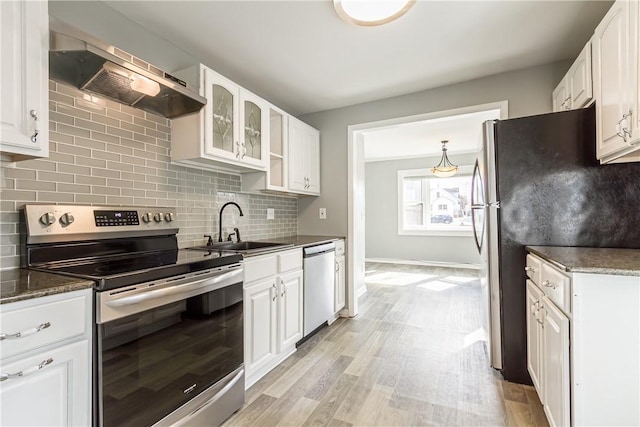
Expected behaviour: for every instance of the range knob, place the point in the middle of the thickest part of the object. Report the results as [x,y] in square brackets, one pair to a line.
[47,219]
[66,219]
[146,217]
[168,217]
[158,217]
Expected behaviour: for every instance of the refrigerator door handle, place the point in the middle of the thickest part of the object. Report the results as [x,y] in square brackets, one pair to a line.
[477,206]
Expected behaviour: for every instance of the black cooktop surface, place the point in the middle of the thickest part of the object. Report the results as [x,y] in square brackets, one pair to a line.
[128,269]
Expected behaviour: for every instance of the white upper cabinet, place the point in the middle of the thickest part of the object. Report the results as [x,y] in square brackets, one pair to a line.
[635,73]
[275,178]
[615,73]
[304,158]
[24,78]
[230,133]
[575,90]
[560,95]
[580,79]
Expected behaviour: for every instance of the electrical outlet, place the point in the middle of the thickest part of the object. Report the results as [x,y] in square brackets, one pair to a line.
[271,213]
[323,213]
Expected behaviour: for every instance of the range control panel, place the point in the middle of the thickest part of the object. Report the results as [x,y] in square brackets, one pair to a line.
[53,223]
[116,218]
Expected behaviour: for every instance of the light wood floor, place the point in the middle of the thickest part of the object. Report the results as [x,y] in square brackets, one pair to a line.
[410,358]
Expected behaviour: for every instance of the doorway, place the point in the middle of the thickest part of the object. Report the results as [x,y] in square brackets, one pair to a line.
[357,137]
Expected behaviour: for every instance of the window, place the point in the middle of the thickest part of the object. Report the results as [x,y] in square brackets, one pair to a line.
[428,205]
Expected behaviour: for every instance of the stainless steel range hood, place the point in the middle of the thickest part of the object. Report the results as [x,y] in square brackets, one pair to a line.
[79,59]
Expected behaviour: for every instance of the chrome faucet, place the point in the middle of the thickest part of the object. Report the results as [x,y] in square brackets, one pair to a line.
[220,220]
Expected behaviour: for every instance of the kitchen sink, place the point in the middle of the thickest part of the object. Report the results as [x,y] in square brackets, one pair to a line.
[242,247]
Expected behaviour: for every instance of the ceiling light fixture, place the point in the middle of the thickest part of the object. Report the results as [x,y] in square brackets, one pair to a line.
[445,168]
[371,12]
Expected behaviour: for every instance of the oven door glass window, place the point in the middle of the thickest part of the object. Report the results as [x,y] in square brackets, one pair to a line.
[153,362]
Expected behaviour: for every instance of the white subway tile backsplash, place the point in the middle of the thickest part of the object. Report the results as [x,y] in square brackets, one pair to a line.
[91,199]
[55,176]
[117,114]
[36,185]
[119,155]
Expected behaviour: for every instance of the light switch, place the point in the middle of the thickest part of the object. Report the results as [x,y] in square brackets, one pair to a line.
[323,213]
[271,213]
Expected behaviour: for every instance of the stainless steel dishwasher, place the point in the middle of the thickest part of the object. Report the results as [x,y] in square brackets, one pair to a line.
[319,277]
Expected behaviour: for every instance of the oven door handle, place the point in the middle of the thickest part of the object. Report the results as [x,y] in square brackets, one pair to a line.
[226,278]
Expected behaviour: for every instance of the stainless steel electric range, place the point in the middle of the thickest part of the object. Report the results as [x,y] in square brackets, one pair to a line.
[168,341]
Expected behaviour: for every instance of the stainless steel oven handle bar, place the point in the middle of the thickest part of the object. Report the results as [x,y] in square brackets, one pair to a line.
[135,299]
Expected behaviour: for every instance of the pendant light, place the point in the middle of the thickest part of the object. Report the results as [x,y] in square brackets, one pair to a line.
[445,168]
[371,12]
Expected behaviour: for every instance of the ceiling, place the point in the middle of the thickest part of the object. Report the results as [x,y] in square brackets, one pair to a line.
[423,138]
[302,57]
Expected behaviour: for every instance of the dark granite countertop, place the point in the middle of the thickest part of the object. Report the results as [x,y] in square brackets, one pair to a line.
[21,284]
[623,262]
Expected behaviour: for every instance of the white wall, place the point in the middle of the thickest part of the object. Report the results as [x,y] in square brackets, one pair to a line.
[110,26]
[381,235]
[528,92]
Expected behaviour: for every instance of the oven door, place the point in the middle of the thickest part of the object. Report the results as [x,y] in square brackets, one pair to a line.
[164,343]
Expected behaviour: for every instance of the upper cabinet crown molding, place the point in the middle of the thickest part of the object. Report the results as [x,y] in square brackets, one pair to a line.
[24,79]
[616,83]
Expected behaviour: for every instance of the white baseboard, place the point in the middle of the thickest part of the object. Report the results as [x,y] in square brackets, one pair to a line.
[424,263]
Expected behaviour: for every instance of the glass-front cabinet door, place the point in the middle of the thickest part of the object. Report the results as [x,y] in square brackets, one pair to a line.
[254,129]
[221,138]
[236,123]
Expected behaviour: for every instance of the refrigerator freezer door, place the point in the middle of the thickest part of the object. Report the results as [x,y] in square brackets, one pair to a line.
[489,250]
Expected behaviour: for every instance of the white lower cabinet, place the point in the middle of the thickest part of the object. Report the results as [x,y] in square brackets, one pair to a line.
[47,383]
[555,360]
[290,310]
[273,292]
[261,312]
[340,289]
[52,391]
[534,335]
[583,345]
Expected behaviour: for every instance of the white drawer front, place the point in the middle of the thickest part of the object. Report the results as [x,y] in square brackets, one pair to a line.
[260,267]
[291,260]
[557,287]
[534,268]
[66,318]
[339,247]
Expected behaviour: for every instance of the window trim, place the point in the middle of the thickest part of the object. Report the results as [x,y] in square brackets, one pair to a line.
[464,170]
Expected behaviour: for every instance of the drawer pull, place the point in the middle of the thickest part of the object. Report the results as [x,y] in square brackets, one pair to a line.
[28,371]
[529,269]
[548,284]
[25,333]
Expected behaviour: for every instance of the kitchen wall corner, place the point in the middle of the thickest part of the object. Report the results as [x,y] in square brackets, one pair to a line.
[118,155]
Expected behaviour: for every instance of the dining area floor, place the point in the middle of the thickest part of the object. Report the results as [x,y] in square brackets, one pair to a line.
[413,356]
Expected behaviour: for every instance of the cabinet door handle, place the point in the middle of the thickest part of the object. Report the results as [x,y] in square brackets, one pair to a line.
[237,149]
[284,288]
[26,332]
[275,292]
[49,361]
[34,116]
[337,266]
[625,127]
[548,284]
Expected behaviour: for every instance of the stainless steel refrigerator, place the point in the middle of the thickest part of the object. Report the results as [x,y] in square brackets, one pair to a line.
[536,181]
